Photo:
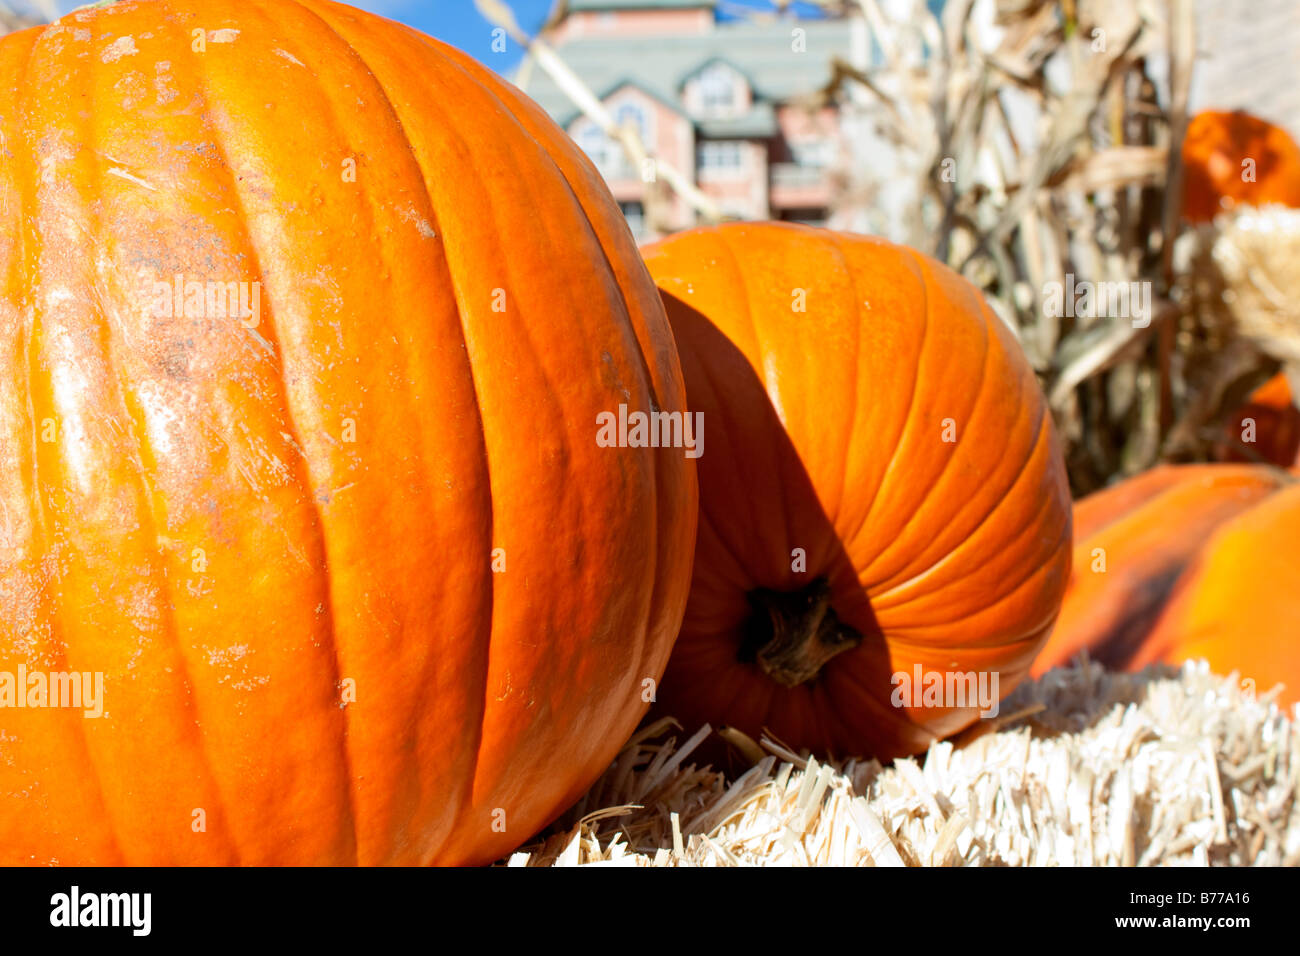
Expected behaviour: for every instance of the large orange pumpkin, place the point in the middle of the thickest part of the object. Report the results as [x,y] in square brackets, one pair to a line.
[1231,158]
[1185,562]
[880,489]
[359,580]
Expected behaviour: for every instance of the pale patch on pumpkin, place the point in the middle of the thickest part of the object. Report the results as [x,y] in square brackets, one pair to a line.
[132,90]
[223,36]
[123,174]
[225,656]
[235,660]
[123,46]
[160,417]
[422,224]
[162,83]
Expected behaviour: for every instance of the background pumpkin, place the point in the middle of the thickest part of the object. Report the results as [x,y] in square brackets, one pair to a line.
[1132,541]
[826,438]
[1164,571]
[1276,426]
[1237,605]
[202,530]
[1214,148]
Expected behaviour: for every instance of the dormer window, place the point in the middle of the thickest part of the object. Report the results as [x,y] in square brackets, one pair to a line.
[717,89]
[602,150]
[631,114]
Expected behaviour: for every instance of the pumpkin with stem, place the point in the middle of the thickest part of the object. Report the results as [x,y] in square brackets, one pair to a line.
[306,321]
[881,495]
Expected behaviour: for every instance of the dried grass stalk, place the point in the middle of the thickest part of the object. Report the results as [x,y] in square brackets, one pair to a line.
[1087,768]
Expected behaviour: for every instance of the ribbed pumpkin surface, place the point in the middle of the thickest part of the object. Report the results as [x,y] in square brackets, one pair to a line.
[239,526]
[1187,562]
[1238,604]
[1133,541]
[865,410]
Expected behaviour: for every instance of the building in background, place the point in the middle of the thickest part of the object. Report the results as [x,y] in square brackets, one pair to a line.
[1247,56]
[730,103]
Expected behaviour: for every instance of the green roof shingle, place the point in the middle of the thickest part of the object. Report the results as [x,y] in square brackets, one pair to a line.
[660,64]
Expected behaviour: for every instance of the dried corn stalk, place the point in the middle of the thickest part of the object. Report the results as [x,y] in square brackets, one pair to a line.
[1040,141]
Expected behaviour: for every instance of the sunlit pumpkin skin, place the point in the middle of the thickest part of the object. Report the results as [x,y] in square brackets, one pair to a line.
[1214,149]
[1238,605]
[386,491]
[1133,544]
[826,432]
[1270,420]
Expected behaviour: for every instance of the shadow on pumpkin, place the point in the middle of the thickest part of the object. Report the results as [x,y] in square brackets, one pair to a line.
[769,644]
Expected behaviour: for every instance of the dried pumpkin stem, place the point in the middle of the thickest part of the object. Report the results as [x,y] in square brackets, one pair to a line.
[792,634]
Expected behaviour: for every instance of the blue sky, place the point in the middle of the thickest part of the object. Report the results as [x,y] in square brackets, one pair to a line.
[457,21]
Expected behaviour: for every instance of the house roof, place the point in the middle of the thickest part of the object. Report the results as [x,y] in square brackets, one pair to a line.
[759,122]
[625,82]
[660,64]
[704,65]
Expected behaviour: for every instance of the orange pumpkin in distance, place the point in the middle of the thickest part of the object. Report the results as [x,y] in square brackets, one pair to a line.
[360,583]
[1231,158]
[881,493]
[1133,542]
[1267,425]
[1237,605]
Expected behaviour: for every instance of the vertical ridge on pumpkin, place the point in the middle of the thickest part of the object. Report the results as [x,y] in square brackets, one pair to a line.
[841,253]
[144,461]
[914,272]
[482,326]
[72,421]
[118,199]
[467,802]
[466,798]
[602,237]
[418,763]
[302,474]
[348,54]
[933,276]
[30,603]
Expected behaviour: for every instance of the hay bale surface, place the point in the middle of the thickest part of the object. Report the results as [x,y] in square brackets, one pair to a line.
[1085,767]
